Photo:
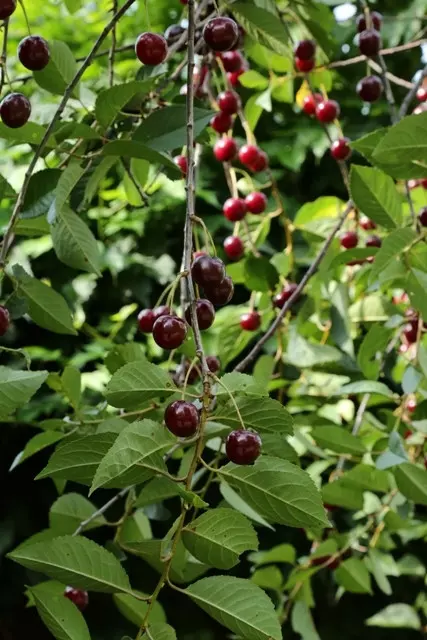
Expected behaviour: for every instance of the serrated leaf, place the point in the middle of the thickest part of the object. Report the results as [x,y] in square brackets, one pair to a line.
[60,71]
[66,183]
[102,167]
[132,149]
[17,387]
[338,439]
[37,443]
[405,143]
[392,248]
[59,614]
[70,510]
[235,501]
[372,349]
[166,129]
[278,491]
[374,193]
[239,384]
[136,455]
[40,193]
[31,133]
[412,482]
[239,605]
[77,561]
[261,414]
[219,537]
[74,243]
[162,632]
[157,490]
[71,383]
[110,102]
[263,26]
[395,616]
[135,610]
[353,575]
[136,382]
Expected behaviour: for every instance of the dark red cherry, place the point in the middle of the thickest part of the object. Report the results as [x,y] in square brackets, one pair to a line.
[221,122]
[213,363]
[221,34]
[4,320]
[234,209]
[349,239]
[422,217]
[151,48]
[340,149]
[369,88]
[249,154]
[225,149]
[173,34]
[367,224]
[15,110]
[229,102]
[207,271]
[7,7]
[169,332]
[234,76]
[221,293]
[182,418]
[243,447]
[305,49]
[250,321]
[181,162]
[410,331]
[310,103]
[327,111]
[205,314]
[304,66]
[261,163]
[234,247]
[33,52]
[232,61]
[162,310]
[373,241]
[146,320]
[79,597]
[256,202]
[376,21]
[281,298]
[369,42]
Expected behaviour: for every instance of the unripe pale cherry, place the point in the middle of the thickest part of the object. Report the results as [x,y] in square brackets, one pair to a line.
[225,149]
[340,149]
[256,202]
[151,48]
[234,247]
[327,111]
[234,209]
[243,447]
[250,321]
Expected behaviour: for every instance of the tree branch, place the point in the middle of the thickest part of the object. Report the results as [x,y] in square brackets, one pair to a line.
[412,93]
[3,58]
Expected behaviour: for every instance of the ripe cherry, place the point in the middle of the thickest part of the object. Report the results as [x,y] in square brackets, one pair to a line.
[304,65]
[213,363]
[33,52]
[349,240]
[146,320]
[173,33]
[182,418]
[162,310]
[327,111]
[256,202]
[15,110]
[205,314]
[225,149]
[411,405]
[234,247]
[7,7]
[232,61]
[422,217]
[340,149]
[373,241]
[221,293]
[234,209]
[221,122]
[310,103]
[151,48]
[243,447]
[250,321]
[229,102]
[410,331]
[422,94]
[367,224]
[369,42]
[281,298]
[169,332]
[207,271]
[376,20]
[233,77]
[4,320]
[261,163]
[79,597]
[181,162]
[369,88]
[305,49]
[221,34]
[249,154]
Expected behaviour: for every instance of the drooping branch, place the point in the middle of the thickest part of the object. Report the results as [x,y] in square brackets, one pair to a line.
[3,58]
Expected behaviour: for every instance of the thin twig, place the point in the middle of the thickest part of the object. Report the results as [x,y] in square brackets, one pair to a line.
[357,424]
[112,51]
[412,93]
[101,511]
[3,58]
[132,178]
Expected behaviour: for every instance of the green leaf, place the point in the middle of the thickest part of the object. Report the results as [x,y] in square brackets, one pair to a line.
[339,494]
[17,387]
[283,553]
[239,605]
[263,26]
[353,575]
[103,166]
[235,501]
[77,459]
[135,610]
[162,632]
[365,386]
[111,101]
[122,354]
[278,491]
[156,491]
[392,249]
[302,621]
[6,190]
[253,80]
[219,536]
[375,565]
[366,478]
[259,274]
[374,193]
[338,439]
[371,350]
[136,455]
[66,183]
[137,382]
[131,149]
[37,443]
[74,243]
[239,384]
[405,143]
[416,286]
[59,614]
[70,510]
[412,482]
[261,414]
[31,133]
[40,193]
[46,307]
[71,383]
[59,72]
[77,561]
[166,129]
[396,616]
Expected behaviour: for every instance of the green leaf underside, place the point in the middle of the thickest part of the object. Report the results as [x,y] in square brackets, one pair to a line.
[59,614]
[17,387]
[69,510]
[136,382]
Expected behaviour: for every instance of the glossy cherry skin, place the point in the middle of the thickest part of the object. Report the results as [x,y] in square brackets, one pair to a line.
[304,66]
[225,149]
[162,310]
[367,224]
[250,321]
[221,34]
[243,447]
[349,239]
[422,217]
[281,298]
[327,111]
[7,7]
[369,88]
[376,20]
[173,33]
[234,209]
[229,102]
[221,293]
[373,241]
[79,597]
[340,149]
[181,162]
[232,61]
[151,48]
[234,247]
[182,418]
[234,76]
[249,154]
[256,202]
[410,331]
[221,122]
[207,271]
[205,314]
[422,94]
[261,163]
[213,363]
[169,332]
[369,42]
[15,110]
[305,49]
[310,103]
[33,52]
[4,320]
[146,320]
[411,405]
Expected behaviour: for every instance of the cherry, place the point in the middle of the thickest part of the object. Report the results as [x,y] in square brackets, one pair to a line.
[79,597]
[327,111]
[33,52]
[232,61]
[407,434]
[369,88]
[243,447]
[249,154]
[411,405]
[349,240]
[15,109]
[305,49]
[229,102]
[221,293]
[184,2]
[146,320]
[261,163]
[422,94]
[367,224]
[205,314]
[234,76]
[181,162]
[422,217]
[213,363]
[282,297]
[4,320]
[250,321]
[373,241]
[151,48]
[173,33]
[234,209]
[182,418]
[234,247]
[221,34]
[410,331]
[225,149]
[369,42]
[7,7]
[340,149]
[221,122]
[207,271]
[256,202]
[376,20]
[423,183]
[162,310]
[304,65]
[310,103]
[169,332]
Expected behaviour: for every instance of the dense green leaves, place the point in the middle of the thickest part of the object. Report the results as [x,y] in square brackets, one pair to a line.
[110,102]
[17,387]
[137,382]
[74,243]
[412,482]
[166,129]
[261,414]
[374,193]
[262,25]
